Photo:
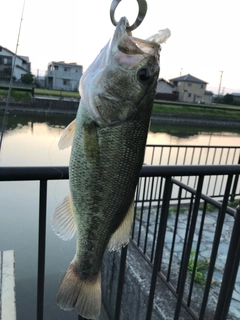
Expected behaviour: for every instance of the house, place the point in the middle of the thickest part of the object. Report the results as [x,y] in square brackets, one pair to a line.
[191,89]
[22,64]
[63,76]
[164,90]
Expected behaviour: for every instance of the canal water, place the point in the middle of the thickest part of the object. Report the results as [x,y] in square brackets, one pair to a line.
[32,140]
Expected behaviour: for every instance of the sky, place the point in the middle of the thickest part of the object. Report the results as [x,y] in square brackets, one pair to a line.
[204,34]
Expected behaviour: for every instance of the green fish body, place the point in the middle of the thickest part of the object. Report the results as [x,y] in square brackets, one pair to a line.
[108,142]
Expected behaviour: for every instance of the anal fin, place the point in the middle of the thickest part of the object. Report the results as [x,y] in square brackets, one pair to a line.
[122,235]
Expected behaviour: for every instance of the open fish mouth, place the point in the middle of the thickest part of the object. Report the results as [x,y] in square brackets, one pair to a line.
[126,43]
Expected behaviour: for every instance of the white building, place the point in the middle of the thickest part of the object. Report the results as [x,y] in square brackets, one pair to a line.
[164,86]
[22,64]
[63,76]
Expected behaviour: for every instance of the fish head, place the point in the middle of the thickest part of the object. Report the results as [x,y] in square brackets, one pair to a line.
[122,75]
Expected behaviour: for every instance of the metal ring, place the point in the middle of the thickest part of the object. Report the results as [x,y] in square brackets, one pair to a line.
[142,10]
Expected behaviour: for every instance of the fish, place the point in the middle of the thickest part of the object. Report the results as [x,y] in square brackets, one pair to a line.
[108,139]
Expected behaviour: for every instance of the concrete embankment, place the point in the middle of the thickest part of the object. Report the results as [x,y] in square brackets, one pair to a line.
[70,106]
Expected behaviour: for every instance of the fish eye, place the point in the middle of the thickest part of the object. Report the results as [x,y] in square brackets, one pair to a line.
[144,74]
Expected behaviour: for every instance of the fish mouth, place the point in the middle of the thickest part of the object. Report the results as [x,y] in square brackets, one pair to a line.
[126,43]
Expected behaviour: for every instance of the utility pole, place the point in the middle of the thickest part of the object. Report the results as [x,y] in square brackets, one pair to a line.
[220,85]
[181,71]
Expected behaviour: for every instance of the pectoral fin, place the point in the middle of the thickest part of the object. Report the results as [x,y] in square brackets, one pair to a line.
[121,236]
[63,223]
[67,136]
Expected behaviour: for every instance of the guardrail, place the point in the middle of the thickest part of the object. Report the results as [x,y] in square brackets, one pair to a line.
[152,244]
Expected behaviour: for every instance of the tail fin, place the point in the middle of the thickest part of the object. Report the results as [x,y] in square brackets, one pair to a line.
[83,295]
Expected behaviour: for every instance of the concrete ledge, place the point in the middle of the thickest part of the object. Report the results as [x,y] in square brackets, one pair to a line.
[136,289]
[7,286]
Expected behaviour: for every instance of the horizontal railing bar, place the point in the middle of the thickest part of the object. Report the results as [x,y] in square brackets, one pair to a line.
[33,173]
[55,173]
[208,199]
[190,146]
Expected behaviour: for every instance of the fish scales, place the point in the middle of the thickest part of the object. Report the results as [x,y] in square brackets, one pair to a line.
[108,141]
[104,187]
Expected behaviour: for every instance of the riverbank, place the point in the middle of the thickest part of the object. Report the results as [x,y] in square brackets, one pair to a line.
[70,106]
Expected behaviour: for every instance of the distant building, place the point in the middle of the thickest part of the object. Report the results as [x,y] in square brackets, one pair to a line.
[191,89]
[163,86]
[22,64]
[164,90]
[63,76]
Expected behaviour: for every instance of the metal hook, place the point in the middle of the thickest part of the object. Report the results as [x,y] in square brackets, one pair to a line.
[142,10]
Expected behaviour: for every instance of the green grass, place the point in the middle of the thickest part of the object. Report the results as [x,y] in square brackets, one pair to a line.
[171,109]
[196,112]
[17,96]
[202,265]
[59,93]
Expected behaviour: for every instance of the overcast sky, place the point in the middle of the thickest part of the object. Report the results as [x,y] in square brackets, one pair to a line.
[204,40]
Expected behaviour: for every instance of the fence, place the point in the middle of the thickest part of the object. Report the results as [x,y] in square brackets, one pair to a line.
[152,238]
[197,155]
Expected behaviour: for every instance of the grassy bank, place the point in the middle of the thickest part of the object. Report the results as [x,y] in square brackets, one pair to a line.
[175,109]
[16,96]
[57,93]
[179,110]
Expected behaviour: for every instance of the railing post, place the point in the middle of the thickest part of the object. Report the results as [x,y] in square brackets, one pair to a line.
[186,253]
[235,183]
[216,241]
[41,248]
[230,272]
[160,244]
[120,282]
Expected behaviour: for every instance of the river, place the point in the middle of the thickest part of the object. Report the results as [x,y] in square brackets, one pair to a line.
[32,140]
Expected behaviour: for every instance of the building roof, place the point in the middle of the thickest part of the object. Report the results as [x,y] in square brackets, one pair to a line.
[189,78]
[65,63]
[209,93]
[24,58]
[236,94]
[167,82]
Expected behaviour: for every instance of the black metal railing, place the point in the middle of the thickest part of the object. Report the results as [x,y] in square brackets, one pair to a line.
[156,205]
[154,208]
[197,155]
[191,155]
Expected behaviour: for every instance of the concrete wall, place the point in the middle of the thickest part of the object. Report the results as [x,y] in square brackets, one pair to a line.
[136,289]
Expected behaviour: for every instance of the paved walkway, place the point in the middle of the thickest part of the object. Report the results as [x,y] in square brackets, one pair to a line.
[205,251]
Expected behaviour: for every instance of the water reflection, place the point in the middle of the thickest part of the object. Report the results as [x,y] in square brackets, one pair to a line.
[32,140]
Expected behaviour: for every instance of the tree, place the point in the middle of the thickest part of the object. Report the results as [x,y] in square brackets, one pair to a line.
[27,78]
[7,72]
[228,98]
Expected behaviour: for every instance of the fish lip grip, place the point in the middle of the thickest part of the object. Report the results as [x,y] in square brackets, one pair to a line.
[142,10]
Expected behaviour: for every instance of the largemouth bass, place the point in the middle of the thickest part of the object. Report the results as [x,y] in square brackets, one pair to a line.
[108,142]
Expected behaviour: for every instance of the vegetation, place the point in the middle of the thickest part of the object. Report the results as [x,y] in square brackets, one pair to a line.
[174,109]
[196,111]
[27,78]
[58,93]
[228,99]
[202,265]
[16,96]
